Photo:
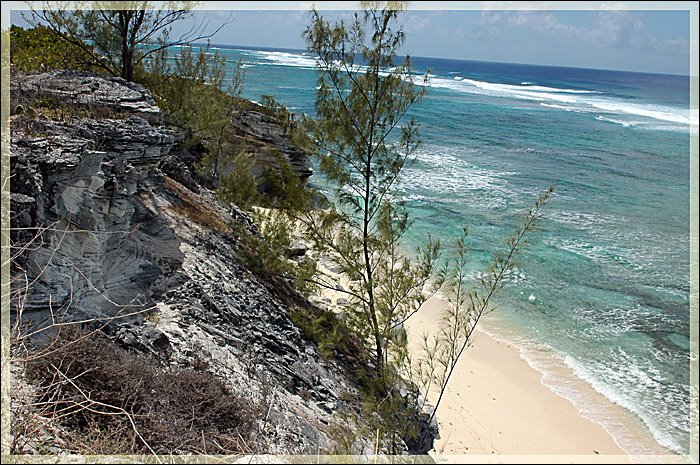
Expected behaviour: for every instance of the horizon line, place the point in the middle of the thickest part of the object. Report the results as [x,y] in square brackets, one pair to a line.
[279,48]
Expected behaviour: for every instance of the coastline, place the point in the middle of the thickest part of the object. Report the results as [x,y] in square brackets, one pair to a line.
[503,402]
[497,404]
[628,430]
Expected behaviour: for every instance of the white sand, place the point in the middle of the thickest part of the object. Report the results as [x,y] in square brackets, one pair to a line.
[497,405]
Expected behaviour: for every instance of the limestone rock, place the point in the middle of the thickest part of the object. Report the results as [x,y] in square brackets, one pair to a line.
[120,236]
[243,218]
[266,138]
[297,249]
[86,89]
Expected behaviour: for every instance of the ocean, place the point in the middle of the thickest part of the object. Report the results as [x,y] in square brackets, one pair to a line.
[603,287]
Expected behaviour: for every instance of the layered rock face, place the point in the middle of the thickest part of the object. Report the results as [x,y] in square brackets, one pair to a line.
[112,235]
[263,136]
[89,90]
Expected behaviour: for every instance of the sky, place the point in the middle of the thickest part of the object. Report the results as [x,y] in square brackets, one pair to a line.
[609,37]
[632,40]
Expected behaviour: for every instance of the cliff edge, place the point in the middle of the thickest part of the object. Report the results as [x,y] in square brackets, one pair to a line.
[119,235]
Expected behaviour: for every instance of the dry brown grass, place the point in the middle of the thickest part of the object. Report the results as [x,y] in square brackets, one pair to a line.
[195,208]
[117,402]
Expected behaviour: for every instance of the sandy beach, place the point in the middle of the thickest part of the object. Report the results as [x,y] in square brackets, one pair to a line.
[497,405]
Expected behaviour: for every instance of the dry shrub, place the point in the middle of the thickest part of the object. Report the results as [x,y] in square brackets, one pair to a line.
[130,405]
[194,207]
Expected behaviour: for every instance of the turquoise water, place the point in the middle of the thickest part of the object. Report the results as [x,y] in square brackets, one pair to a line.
[604,285]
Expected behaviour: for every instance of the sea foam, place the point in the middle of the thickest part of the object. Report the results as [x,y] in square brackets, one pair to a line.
[563,373]
[580,101]
[617,121]
[567,99]
[285,59]
[629,373]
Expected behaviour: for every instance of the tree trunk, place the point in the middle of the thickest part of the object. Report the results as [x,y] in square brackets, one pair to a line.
[128,69]
[127,50]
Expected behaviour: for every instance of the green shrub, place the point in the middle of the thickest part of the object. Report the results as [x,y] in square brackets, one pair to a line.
[39,49]
[335,341]
[193,93]
[239,185]
[267,254]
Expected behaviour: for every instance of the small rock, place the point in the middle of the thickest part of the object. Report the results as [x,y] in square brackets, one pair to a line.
[239,216]
[297,249]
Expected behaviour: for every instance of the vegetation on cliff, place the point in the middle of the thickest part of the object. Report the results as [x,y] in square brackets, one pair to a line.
[39,49]
[119,37]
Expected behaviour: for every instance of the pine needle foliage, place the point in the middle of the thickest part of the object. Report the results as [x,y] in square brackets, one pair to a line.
[363,141]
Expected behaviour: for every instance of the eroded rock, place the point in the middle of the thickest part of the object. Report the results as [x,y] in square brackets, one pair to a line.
[94,91]
[266,139]
[146,256]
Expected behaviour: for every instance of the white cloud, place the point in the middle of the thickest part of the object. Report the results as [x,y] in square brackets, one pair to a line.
[543,21]
[417,23]
[492,22]
[676,43]
[618,28]
[518,5]
[613,27]
[493,18]
[614,6]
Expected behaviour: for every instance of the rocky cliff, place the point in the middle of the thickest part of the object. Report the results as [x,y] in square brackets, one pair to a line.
[262,135]
[119,227]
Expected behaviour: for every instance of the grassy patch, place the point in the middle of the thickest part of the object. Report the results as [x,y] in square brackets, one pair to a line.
[28,107]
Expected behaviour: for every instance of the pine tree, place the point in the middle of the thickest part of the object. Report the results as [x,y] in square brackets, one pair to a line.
[363,145]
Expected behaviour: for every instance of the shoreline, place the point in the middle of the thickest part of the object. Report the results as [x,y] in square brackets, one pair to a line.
[627,429]
[517,407]
[512,411]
